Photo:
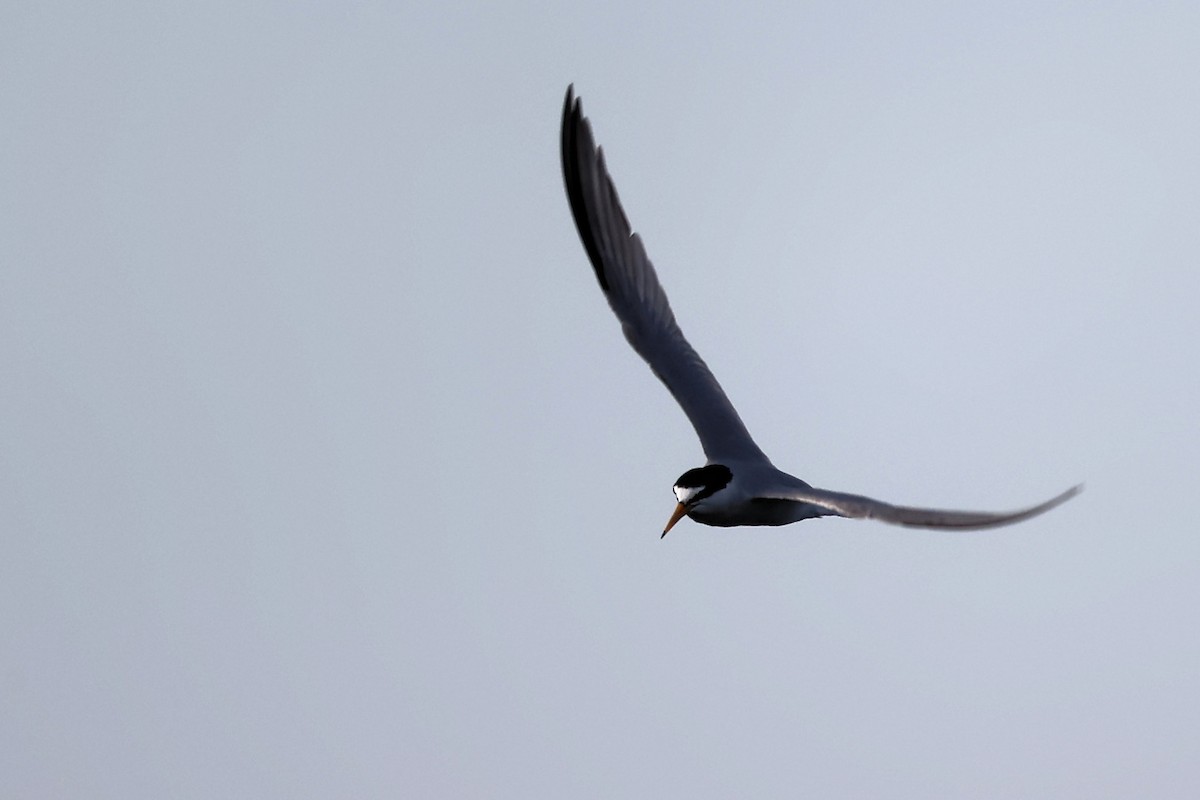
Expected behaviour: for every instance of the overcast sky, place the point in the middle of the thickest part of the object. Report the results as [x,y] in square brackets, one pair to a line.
[326,472]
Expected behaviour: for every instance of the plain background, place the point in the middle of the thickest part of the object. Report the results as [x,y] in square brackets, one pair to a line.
[325,470]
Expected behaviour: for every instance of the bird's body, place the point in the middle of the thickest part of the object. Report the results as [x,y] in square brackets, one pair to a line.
[739,485]
[741,500]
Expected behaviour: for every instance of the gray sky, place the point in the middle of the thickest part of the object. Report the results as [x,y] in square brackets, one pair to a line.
[325,471]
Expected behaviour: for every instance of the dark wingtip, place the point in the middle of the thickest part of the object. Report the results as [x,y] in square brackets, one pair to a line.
[570,99]
[1064,497]
[572,122]
[1069,493]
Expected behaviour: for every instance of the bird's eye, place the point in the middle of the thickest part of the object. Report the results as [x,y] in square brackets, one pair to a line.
[686,494]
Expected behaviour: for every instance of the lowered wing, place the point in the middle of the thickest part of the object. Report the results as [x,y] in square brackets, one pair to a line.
[859,507]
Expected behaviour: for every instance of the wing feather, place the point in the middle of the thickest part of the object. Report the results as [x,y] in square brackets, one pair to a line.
[637,298]
[859,507]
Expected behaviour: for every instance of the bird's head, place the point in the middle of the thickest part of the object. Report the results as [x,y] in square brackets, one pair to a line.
[694,487]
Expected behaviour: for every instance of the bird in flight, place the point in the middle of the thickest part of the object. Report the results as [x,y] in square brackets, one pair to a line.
[739,485]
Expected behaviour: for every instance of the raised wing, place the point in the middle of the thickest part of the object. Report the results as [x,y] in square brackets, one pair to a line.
[637,298]
[856,506]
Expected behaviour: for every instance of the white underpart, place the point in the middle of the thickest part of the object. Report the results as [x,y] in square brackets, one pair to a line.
[684,494]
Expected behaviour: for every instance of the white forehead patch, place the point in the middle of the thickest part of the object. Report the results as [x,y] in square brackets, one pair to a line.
[684,494]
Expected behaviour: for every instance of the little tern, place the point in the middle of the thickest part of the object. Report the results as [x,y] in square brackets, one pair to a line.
[738,485]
